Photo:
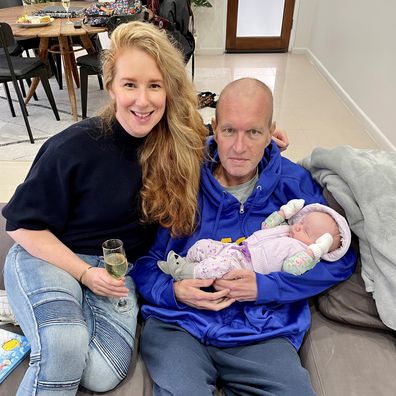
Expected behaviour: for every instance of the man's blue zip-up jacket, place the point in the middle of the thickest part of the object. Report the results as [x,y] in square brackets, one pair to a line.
[281,308]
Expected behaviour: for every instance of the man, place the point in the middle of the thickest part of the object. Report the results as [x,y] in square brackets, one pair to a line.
[241,332]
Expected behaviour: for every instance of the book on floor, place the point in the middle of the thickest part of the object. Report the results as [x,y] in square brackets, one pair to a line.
[13,349]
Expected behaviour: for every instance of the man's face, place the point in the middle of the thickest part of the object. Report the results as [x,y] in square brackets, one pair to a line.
[242,133]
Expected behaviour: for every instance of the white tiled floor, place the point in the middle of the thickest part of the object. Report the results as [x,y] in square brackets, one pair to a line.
[306,106]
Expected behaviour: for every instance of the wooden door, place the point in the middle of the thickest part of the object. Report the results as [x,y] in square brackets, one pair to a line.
[260,43]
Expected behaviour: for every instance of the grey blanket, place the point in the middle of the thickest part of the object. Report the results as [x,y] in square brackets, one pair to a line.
[364,183]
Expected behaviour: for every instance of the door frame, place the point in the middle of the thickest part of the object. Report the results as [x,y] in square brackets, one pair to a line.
[258,44]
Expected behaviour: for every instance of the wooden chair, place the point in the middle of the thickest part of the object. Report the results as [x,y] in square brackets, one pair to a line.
[15,68]
[20,46]
[75,41]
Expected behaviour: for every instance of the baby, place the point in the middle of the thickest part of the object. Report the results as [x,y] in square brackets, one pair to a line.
[312,232]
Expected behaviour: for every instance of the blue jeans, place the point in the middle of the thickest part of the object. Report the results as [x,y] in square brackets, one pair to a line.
[76,337]
[180,365]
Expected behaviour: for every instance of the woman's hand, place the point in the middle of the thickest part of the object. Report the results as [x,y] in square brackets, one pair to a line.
[240,283]
[102,284]
[281,139]
[188,292]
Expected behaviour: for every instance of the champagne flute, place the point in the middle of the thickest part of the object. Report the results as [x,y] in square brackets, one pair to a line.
[116,265]
[66,6]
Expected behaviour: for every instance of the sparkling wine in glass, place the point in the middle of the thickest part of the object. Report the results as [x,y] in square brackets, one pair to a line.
[116,265]
[66,6]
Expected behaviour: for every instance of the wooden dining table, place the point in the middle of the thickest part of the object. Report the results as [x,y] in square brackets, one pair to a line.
[64,33]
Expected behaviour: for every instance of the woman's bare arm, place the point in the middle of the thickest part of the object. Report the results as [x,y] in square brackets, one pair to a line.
[46,246]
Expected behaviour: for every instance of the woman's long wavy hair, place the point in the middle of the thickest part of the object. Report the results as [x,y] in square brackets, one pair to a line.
[173,152]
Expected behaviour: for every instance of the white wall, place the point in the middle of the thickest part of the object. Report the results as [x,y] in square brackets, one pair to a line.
[353,42]
[302,26]
[210,28]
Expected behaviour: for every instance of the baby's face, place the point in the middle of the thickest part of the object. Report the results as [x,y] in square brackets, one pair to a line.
[313,226]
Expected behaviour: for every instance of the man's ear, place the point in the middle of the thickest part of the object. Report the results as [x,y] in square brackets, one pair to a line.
[214,126]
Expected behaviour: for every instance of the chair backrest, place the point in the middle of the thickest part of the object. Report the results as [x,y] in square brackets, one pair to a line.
[7,40]
[10,3]
[6,35]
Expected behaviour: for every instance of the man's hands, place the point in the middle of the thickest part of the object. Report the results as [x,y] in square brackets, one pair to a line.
[188,292]
[240,284]
[102,284]
[236,285]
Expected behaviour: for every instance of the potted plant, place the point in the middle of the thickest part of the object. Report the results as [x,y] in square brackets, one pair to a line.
[201,3]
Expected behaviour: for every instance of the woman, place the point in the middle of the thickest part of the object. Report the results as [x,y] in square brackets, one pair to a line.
[85,186]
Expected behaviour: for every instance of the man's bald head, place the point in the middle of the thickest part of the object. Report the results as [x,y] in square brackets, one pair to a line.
[247,88]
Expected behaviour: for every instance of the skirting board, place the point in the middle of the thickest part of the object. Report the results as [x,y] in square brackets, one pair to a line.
[209,51]
[368,124]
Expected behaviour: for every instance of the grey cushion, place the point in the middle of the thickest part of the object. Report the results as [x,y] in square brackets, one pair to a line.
[345,360]
[348,302]
[5,244]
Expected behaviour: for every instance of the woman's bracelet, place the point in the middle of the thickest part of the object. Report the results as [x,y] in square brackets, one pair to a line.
[84,272]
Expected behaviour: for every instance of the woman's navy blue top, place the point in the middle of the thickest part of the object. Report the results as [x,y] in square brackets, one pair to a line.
[84,186]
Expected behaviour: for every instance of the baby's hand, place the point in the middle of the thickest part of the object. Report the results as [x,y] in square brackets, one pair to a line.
[321,245]
[292,207]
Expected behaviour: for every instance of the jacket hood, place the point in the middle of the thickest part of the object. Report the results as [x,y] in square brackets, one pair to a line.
[345,232]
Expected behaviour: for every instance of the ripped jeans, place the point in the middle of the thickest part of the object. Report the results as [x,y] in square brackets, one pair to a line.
[76,337]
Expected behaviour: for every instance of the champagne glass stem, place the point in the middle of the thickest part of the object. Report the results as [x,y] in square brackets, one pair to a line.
[122,302]
[66,6]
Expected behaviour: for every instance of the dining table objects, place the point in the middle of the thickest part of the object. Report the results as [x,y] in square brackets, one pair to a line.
[54,29]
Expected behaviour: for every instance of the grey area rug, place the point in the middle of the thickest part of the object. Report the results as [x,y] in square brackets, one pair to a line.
[14,139]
